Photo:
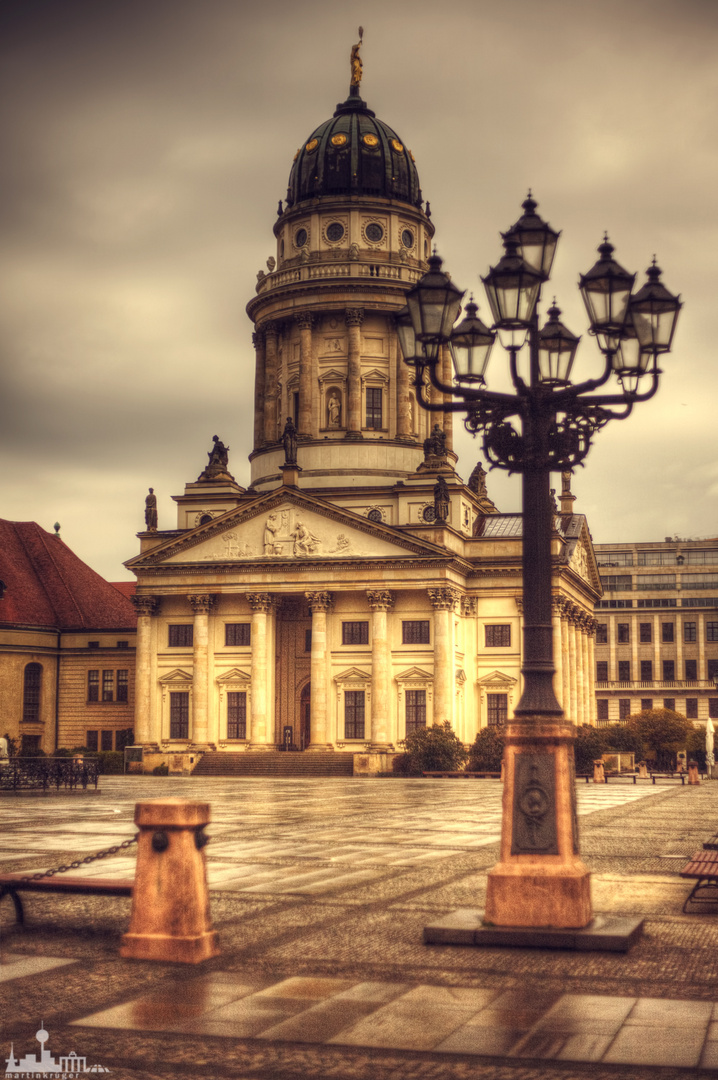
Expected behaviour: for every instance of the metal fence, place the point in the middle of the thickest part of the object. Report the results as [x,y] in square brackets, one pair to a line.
[41,774]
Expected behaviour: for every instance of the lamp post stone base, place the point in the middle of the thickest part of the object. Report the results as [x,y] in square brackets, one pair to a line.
[466,926]
[535,895]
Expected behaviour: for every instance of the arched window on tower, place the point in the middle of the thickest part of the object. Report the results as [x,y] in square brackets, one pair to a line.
[31,692]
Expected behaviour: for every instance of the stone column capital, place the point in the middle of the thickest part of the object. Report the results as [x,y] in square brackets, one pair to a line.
[305,320]
[202,603]
[319,601]
[469,606]
[519,604]
[270,328]
[380,599]
[258,338]
[263,602]
[354,316]
[444,598]
[146,605]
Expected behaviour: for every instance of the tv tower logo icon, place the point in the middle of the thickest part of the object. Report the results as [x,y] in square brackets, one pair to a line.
[34,1065]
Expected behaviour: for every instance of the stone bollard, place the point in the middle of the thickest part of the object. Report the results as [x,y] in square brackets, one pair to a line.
[693,776]
[170,903]
[642,770]
[599,777]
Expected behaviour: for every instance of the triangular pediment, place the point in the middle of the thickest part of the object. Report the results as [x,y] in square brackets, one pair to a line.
[353,674]
[497,678]
[580,555]
[414,674]
[286,525]
[178,677]
[234,675]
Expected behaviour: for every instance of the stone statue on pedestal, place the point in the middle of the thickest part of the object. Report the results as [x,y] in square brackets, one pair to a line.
[151,511]
[289,438]
[441,500]
[435,445]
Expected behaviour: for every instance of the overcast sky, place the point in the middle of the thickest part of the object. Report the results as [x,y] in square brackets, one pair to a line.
[146,144]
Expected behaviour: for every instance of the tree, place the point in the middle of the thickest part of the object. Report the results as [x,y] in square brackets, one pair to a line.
[590,744]
[622,737]
[435,749]
[487,751]
[663,733]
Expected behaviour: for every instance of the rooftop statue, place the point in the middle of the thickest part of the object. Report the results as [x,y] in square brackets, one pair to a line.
[355,60]
[151,511]
[289,438]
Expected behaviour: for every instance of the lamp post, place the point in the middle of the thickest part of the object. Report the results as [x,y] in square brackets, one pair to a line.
[545,425]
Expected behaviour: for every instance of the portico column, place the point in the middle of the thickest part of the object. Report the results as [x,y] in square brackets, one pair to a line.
[259,374]
[259,735]
[557,608]
[591,669]
[271,379]
[566,673]
[354,318]
[201,605]
[380,601]
[146,726]
[319,605]
[572,662]
[305,321]
[580,673]
[443,601]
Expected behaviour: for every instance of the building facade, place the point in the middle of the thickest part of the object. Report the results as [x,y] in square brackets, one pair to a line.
[359,588]
[657,629]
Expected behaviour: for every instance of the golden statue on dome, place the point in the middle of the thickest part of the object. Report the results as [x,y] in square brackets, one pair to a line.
[355,60]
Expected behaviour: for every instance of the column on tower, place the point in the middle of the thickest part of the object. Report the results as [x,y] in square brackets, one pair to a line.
[271,381]
[381,602]
[354,318]
[202,604]
[307,373]
[258,340]
[319,604]
[261,732]
[447,376]
[147,725]
[404,425]
[443,600]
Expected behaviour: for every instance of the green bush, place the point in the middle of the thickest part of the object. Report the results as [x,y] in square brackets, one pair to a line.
[590,744]
[663,733]
[623,737]
[435,749]
[161,770]
[111,761]
[487,751]
[697,747]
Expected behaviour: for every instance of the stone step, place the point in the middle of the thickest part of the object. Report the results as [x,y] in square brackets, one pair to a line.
[275,763]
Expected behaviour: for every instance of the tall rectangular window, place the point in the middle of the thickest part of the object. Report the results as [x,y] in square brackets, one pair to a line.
[646,670]
[712,669]
[106,740]
[122,683]
[667,632]
[373,408]
[237,714]
[602,709]
[93,685]
[497,709]
[237,633]
[692,708]
[712,631]
[669,670]
[32,687]
[644,632]
[691,670]
[646,704]
[355,633]
[180,635]
[415,710]
[624,633]
[624,708]
[354,714]
[179,714]
[669,703]
[602,671]
[108,685]
[689,631]
[92,740]
[713,708]
[498,636]
[602,633]
[415,632]
[624,670]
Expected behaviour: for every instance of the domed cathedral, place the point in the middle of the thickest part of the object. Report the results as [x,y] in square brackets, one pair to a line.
[358,589]
[352,237]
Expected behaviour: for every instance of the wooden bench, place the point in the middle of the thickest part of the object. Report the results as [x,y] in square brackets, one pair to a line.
[14,883]
[464,775]
[704,868]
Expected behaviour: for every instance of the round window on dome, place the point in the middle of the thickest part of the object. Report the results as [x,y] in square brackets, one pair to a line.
[300,238]
[397,146]
[371,141]
[312,145]
[407,238]
[375,515]
[335,232]
[374,232]
[339,139]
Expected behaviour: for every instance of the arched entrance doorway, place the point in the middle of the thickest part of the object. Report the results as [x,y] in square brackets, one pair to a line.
[305,712]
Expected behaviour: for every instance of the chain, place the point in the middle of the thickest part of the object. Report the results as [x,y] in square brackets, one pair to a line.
[83,862]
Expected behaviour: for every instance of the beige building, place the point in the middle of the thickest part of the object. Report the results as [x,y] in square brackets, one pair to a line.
[657,636]
[359,587]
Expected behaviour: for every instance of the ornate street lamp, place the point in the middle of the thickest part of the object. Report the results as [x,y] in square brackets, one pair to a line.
[545,425]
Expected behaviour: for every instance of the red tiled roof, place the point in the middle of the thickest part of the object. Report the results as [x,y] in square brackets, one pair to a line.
[47,585]
[127,588]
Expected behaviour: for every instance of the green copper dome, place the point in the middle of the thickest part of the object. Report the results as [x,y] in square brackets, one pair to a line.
[353,153]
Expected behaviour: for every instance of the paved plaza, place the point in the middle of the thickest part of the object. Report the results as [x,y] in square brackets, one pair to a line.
[320,890]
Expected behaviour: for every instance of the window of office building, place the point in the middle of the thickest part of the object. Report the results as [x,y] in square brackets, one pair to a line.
[669,670]
[179,714]
[699,581]
[712,669]
[614,558]
[355,633]
[624,633]
[602,633]
[692,708]
[93,685]
[624,708]
[646,703]
[691,670]
[602,670]
[108,685]
[106,740]
[123,676]
[238,634]
[645,632]
[712,631]
[498,709]
[624,670]
[92,740]
[666,632]
[713,708]
[497,636]
[237,714]
[354,714]
[415,632]
[656,558]
[602,709]
[689,631]
[669,703]
[415,705]
[617,582]
[646,670]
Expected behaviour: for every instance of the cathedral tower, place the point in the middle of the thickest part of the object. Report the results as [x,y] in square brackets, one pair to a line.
[352,237]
